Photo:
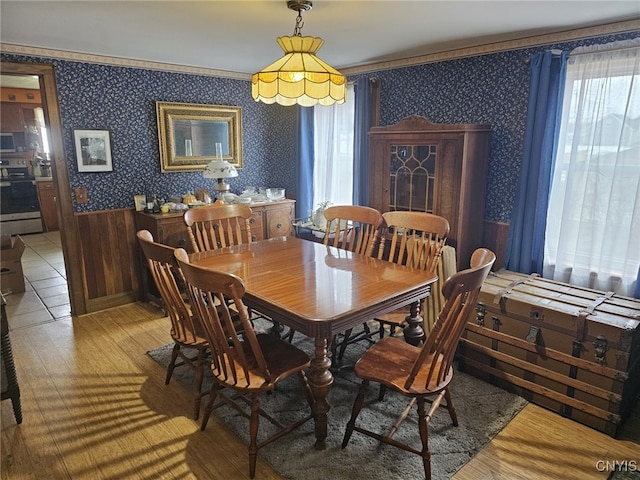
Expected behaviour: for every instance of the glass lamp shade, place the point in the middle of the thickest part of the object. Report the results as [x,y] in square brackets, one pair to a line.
[299,76]
[219,169]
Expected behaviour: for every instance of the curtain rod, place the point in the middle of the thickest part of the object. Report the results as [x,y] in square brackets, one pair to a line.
[557,52]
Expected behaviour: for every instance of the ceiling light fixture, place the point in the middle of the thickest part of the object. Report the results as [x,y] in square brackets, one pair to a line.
[299,76]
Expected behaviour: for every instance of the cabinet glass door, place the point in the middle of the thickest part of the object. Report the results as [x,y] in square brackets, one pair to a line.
[412,177]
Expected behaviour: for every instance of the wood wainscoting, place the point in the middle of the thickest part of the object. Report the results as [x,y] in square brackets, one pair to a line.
[110,259]
[111,262]
[495,238]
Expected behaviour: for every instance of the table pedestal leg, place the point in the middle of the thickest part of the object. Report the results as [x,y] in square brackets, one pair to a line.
[413,332]
[320,381]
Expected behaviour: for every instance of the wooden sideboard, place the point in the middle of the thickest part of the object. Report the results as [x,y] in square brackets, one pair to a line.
[417,165]
[269,219]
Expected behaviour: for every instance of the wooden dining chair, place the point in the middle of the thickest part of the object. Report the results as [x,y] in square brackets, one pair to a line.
[243,361]
[186,330]
[423,373]
[218,226]
[415,239]
[353,228]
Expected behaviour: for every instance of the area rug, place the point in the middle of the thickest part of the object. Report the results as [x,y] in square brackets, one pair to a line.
[626,472]
[483,410]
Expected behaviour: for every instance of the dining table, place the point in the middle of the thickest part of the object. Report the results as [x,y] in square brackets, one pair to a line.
[319,291]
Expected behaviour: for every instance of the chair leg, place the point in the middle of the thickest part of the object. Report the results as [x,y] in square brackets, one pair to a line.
[213,394]
[450,407]
[290,334]
[306,389]
[423,426]
[197,394]
[334,350]
[276,328]
[381,330]
[381,392]
[348,339]
[357,406]
[344,343]
[253,434]
[172,363]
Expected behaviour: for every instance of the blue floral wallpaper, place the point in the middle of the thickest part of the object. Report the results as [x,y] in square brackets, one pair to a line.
[122,100]
[490,89]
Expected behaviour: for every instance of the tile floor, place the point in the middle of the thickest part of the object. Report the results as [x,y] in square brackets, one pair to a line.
[46,298]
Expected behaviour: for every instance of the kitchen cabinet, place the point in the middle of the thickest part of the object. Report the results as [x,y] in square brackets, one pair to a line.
[20,120]
[30,96]
[16,117]
[48,210]
[11,118]
[417,165]
[269,219]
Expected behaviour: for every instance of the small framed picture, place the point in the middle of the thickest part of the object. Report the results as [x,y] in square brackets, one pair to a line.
[93,150]
[140,202]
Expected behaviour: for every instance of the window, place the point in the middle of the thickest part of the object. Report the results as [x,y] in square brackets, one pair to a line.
[333,152]
[593,222]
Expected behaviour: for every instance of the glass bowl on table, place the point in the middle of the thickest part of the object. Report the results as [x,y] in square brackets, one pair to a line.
[275,193]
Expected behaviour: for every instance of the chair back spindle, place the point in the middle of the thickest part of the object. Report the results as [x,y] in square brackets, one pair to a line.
[242,360]
[415,239]
[422,373]
[461,292]
[352,227]
[218,226]
[237,358]
[186,329]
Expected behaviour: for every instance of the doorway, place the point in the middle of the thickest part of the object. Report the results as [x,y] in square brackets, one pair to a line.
[67,223]
[24,147]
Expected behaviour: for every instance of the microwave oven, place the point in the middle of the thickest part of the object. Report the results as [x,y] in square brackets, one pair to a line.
[7,142]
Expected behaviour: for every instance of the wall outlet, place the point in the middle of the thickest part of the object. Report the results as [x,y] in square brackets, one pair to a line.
[81,195]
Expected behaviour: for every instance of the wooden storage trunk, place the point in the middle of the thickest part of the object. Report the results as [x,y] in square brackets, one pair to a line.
[573,350]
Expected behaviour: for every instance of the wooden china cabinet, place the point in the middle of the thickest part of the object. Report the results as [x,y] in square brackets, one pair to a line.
[417,165]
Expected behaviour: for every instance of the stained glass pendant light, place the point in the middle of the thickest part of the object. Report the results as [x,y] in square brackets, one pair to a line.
[299,76]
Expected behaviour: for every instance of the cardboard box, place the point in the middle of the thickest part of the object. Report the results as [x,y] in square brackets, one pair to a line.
[11,276]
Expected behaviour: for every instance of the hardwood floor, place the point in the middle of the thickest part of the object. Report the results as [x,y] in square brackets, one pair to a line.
[95,406]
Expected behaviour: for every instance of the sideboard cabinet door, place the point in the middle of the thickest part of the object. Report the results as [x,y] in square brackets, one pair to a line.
[417,165]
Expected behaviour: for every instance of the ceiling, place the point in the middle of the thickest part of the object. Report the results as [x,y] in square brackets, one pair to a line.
[239,36]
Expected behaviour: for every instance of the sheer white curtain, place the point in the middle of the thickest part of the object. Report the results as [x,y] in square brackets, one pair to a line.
[593,223]
[333,151]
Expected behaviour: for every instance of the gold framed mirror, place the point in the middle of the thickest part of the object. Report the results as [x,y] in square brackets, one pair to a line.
[188,134]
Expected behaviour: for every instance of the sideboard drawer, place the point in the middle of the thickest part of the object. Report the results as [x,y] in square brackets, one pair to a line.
[257,226]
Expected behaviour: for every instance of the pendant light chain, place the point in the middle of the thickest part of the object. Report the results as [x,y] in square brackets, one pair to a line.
[299,24]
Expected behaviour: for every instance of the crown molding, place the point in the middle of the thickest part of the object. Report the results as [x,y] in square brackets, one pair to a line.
[526,42]
[118,61]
